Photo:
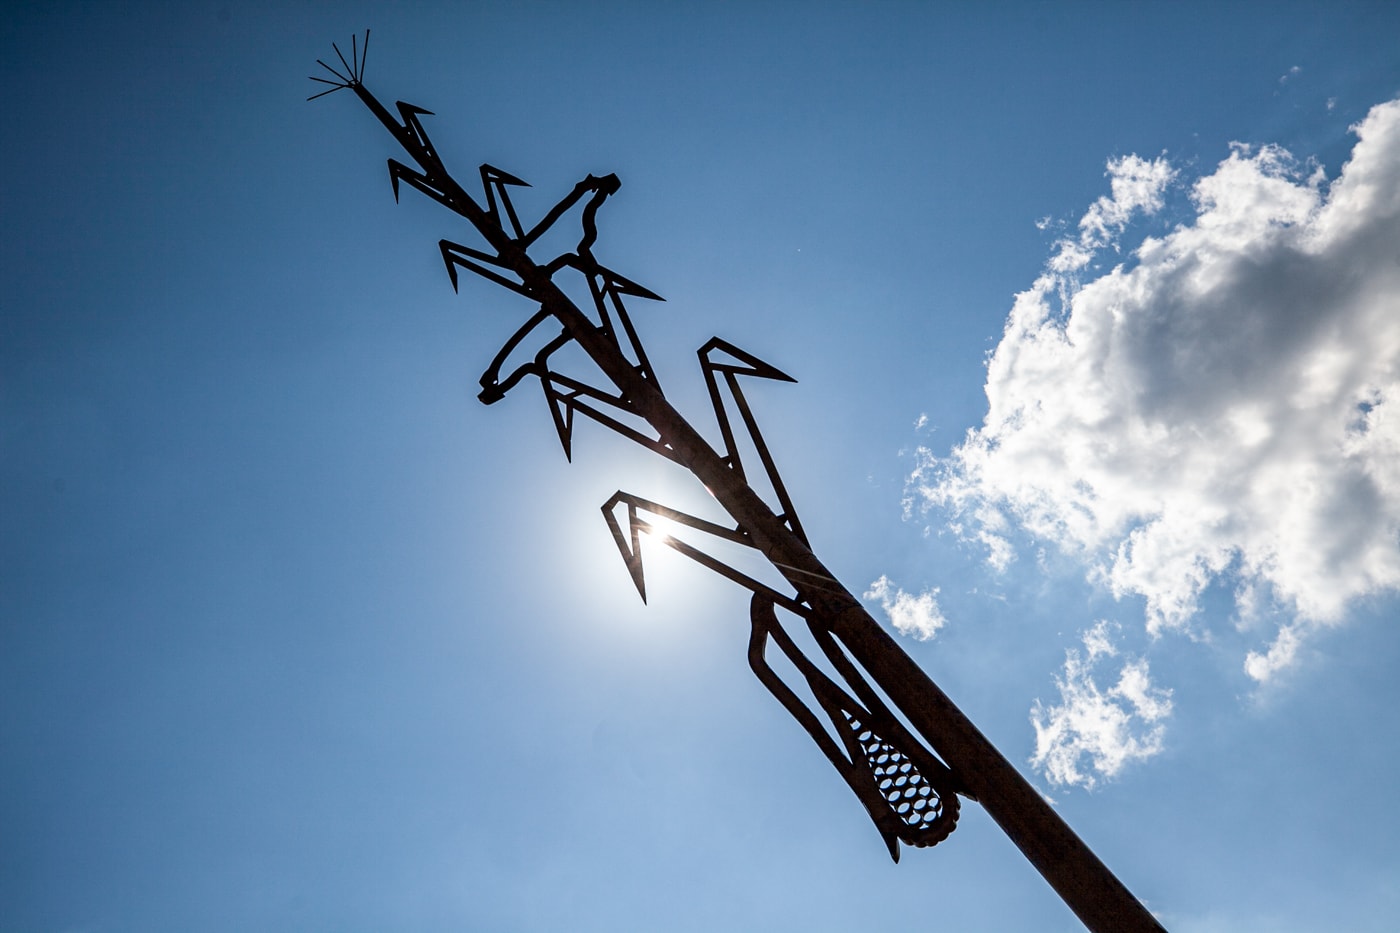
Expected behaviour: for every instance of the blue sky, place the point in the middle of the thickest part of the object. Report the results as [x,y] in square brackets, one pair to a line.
[1097,355]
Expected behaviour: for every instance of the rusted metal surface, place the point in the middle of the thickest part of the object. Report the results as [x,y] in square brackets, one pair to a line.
[908,780]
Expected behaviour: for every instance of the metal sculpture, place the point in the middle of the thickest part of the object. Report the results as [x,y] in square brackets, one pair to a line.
[908,780]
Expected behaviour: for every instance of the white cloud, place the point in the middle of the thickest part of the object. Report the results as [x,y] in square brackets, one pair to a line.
[1136,186]
[1093,733]
[1223,406]
[916,616]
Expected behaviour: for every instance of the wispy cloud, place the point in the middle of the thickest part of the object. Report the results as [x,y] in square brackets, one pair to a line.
[1137,186]
[916,616]
[1092,733]
[1222,406]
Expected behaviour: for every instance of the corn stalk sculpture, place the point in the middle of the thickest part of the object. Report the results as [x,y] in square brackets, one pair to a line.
[909,780]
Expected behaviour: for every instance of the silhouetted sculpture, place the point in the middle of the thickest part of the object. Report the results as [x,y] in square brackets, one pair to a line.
[909,789]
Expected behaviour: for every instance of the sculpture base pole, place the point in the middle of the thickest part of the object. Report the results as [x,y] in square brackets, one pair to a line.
[1086,885]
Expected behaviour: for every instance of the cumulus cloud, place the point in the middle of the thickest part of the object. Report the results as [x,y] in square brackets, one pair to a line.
[1221,406]
[916,616]
[1092,733]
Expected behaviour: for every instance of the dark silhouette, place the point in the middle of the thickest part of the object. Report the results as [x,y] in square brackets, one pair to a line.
[910,790]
